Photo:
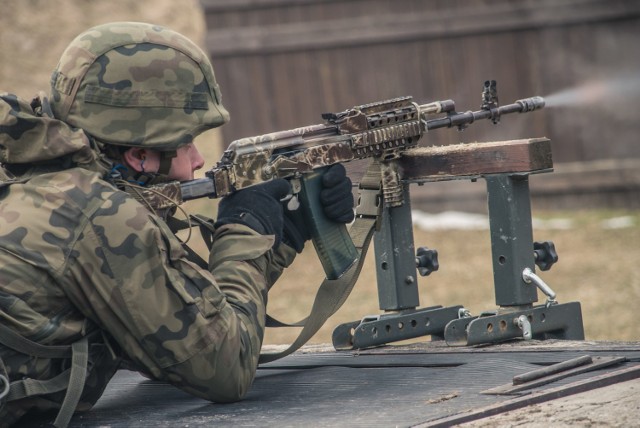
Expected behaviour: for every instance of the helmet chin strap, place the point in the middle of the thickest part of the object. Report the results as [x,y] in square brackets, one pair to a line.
[147,178]
[165,161]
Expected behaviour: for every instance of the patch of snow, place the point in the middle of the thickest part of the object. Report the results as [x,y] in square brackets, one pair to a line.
[457,220]
[552,223]
[618,222]
[450,220]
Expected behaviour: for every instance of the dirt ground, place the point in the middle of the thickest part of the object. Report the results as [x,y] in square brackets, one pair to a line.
[613,406]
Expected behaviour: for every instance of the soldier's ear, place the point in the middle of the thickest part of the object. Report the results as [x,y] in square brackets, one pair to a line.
[134,158]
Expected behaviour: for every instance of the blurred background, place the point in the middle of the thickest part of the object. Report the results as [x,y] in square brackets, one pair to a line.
[281,63]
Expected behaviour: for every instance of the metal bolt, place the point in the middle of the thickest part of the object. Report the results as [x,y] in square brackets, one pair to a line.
[523,324]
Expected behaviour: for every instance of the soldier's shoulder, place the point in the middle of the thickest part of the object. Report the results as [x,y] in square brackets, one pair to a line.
[73,180]
[77,190]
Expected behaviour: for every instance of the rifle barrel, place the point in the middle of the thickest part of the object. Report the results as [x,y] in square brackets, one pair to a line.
[461,119]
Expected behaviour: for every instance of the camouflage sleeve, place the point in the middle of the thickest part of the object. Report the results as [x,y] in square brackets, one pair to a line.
[282,257]
[199,330]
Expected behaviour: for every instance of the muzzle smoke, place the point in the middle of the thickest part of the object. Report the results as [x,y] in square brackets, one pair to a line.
[596,91]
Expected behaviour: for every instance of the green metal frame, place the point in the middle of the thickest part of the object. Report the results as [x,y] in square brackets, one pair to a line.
[509,204]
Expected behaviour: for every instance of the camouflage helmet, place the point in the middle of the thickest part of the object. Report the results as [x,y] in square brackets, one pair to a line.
[136,84]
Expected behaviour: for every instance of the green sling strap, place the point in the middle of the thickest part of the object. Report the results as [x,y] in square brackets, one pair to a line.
[333,293]
[72,379]
[17,342]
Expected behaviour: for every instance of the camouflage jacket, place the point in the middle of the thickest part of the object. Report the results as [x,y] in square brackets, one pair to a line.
[79,257]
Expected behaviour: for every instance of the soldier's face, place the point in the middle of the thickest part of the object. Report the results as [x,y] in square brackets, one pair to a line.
[188,160]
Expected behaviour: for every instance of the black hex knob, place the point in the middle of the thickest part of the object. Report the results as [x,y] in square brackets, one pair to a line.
[426,261]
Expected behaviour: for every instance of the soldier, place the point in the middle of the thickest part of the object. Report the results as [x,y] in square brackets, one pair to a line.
[91,279]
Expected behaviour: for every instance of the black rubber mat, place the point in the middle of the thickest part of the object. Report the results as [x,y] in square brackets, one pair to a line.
[333,389]
[383,387]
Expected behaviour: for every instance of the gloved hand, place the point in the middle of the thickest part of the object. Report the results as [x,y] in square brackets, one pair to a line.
[257,207]
[336,199]
[336,196]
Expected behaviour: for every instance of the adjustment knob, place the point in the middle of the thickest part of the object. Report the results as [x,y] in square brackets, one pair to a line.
[426,261]
[545,254]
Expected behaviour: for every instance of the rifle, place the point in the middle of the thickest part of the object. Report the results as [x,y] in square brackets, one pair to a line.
[380,130]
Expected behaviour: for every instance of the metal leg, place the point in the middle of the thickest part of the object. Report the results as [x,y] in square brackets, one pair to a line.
[396,258]
[511,238]
[515,283]
[397,290]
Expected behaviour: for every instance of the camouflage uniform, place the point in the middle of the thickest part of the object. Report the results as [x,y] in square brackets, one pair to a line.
[81,258]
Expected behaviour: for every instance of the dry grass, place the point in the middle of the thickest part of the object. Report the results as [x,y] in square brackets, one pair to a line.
[597,267]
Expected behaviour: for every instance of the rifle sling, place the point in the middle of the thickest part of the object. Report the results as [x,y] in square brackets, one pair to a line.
[206,231]
[333,293]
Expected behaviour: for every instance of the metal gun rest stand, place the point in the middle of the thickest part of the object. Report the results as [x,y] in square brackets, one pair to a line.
[506,167]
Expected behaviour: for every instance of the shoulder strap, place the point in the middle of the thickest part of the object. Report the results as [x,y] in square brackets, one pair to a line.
[206,228]
[72,379]
[17,342]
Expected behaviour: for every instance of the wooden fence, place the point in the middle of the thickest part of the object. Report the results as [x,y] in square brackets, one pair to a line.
[281,63]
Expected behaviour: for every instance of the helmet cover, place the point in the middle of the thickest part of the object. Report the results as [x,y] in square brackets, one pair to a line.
[136,84]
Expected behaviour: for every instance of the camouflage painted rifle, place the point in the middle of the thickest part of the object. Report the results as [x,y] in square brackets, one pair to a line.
[378,130]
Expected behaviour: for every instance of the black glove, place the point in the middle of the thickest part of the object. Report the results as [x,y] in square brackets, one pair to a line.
[257,207]
[336,199]
[336,196]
